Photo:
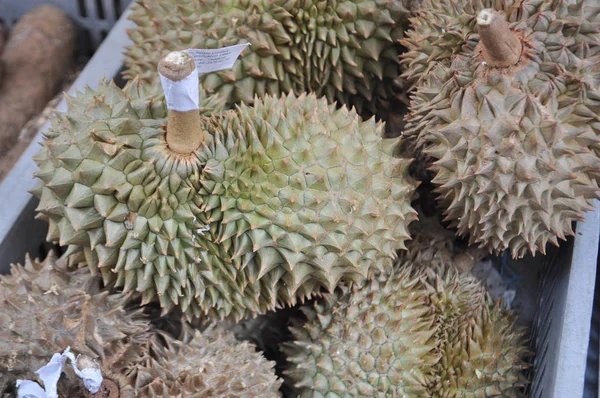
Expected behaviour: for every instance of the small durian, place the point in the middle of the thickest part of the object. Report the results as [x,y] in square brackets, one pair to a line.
[211,363]
[422,332]
[44,309]
[506,105]
[226,215]
[344,50]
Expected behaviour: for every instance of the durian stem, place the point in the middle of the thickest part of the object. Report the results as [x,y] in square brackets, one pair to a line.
[501,46]
[184,124]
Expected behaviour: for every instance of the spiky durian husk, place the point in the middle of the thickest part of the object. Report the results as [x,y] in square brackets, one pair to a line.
[344,50]
[515,150]
[44,309]
[432,245]
[283,198]
[420,333]
[208,364]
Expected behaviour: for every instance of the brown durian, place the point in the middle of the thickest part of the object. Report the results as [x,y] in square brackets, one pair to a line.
[211,363]
[505,103]
[44,309]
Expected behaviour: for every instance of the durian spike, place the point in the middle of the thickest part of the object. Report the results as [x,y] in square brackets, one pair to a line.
[180,83]
[501,46]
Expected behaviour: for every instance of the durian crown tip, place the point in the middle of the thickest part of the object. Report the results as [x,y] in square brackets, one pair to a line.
[485,16]
[501,46]
[176,57]
[176,65]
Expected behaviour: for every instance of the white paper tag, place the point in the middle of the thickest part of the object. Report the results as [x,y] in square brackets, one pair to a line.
[92,377]
[181,96]
[50,374]
[212,60]
[30,389]
[184,95]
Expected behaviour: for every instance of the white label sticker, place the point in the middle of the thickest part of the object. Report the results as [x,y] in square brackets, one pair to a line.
[216,59]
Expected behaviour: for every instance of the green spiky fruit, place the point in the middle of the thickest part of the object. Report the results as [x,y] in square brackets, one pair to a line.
[344,50]
[283,198]
[418,333]
[44,309]
[515,149]
[207,364]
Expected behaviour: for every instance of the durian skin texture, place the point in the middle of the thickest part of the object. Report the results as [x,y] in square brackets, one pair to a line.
[211,363]
[44,309]
[283,198]
[419,333]
[347,51]
[515,151]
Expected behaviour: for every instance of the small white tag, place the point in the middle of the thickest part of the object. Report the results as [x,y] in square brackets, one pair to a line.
[92,377]
[184,95]
[51,372]
[212,60]
[30,389]
[181,96]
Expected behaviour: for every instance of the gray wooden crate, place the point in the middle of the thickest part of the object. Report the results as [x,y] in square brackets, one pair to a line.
[561,328]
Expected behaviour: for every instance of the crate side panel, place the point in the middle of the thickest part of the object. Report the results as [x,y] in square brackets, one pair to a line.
[14,189]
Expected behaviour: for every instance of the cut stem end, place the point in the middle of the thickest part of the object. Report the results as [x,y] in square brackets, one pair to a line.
[180,84]
[501,46]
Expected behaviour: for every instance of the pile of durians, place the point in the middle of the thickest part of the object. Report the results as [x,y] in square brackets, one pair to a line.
[295,184]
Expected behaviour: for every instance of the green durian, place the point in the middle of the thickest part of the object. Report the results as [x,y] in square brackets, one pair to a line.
[418,333]
[514,145]
[344,50]
[44,309]
[282,199]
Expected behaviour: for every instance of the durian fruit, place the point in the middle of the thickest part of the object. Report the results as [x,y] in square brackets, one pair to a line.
[419,333]
[267,332]
[44,309]
[211,363]
[344,50]
[433,245]
[280,199]
[506,103]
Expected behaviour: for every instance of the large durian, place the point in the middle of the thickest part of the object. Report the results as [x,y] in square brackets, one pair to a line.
[279,200]
[419,333]
[344,50]
[44,309]
[506,103]
[208,364]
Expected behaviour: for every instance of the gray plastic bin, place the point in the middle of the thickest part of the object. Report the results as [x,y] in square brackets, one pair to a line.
[560,330]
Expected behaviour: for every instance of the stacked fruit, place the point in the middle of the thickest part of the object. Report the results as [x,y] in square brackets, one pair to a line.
[278,190]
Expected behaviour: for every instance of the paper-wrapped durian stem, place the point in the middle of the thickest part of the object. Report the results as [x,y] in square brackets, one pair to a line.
[179,79]
[501,46]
